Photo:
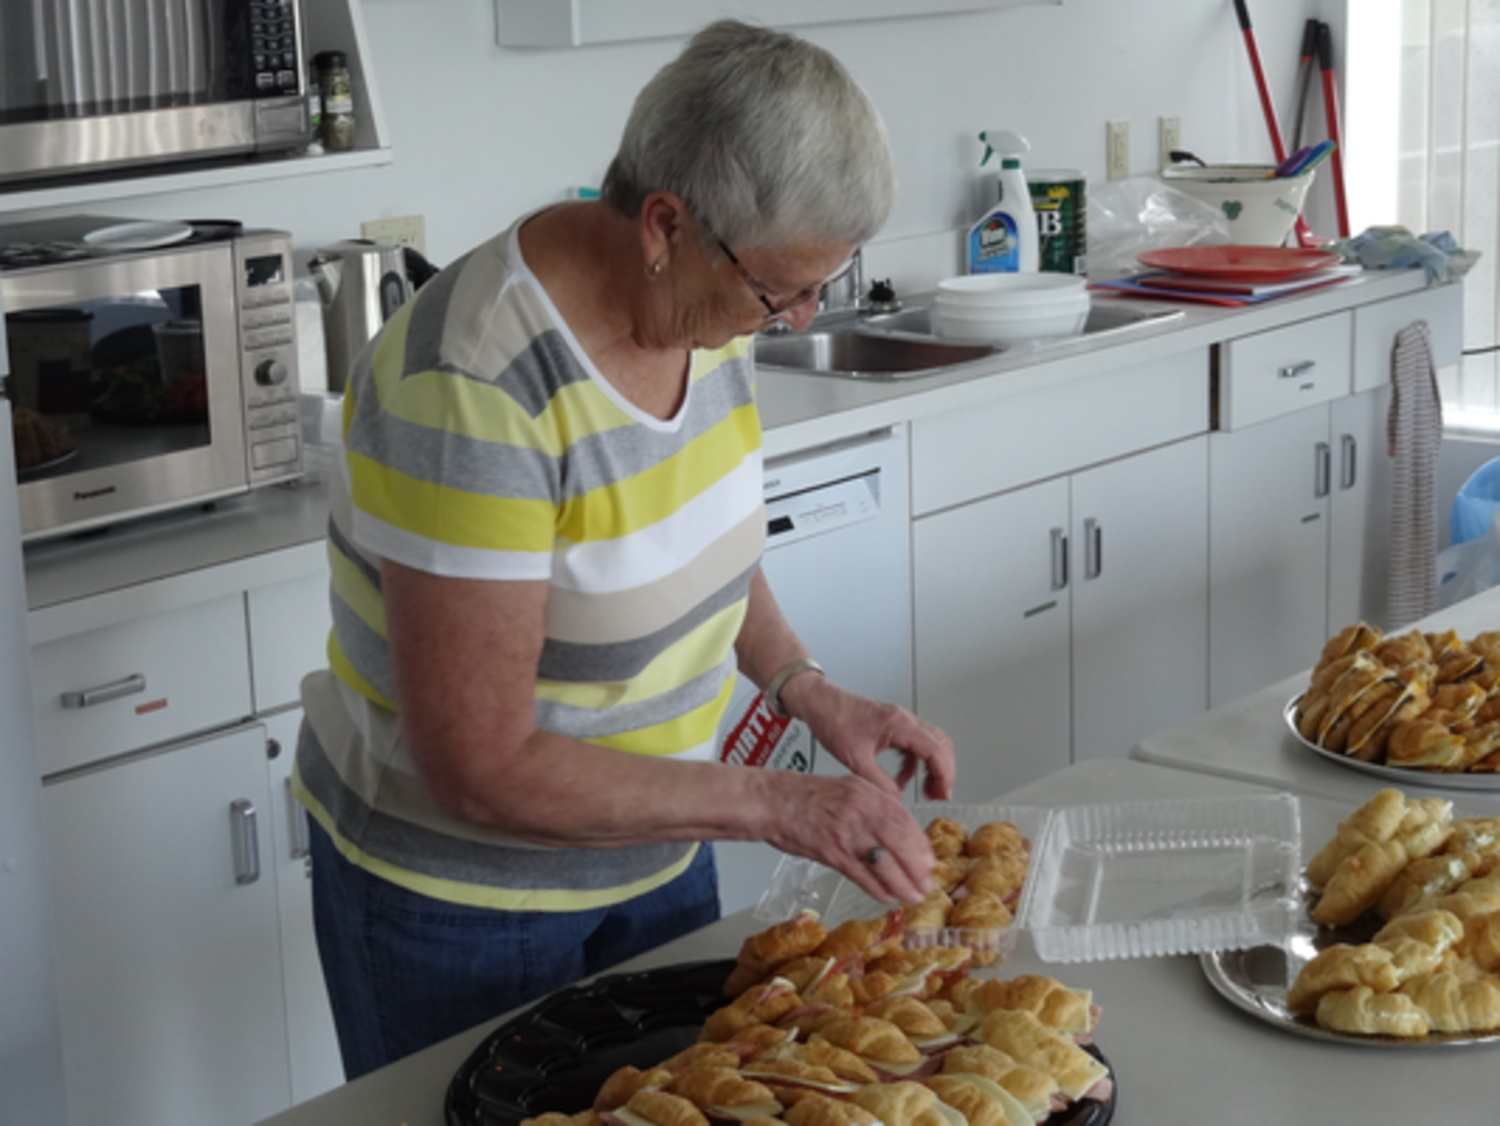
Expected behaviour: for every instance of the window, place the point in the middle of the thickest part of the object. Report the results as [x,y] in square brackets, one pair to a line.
[1424,152]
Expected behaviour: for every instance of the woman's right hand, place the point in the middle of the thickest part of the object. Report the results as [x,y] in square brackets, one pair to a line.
[839,821]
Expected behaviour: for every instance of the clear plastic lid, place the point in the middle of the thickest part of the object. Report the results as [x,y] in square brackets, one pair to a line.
[1139,879]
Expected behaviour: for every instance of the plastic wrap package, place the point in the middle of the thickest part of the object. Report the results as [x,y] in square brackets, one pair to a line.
[1396,248]
[1468,568]
[1127,217]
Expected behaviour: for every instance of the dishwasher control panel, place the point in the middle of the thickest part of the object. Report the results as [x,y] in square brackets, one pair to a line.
[824,507]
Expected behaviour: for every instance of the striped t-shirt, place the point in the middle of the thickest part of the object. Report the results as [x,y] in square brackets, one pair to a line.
[481,442]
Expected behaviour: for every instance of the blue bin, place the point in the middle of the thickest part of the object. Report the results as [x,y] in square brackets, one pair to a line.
[1474,507]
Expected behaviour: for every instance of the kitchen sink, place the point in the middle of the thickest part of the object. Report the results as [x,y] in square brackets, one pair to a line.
[859,353]
[903,345]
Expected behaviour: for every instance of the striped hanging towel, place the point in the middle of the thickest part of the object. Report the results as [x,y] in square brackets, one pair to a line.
[1414,431]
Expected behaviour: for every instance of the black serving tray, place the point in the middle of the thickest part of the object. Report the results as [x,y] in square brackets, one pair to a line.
[557,1054]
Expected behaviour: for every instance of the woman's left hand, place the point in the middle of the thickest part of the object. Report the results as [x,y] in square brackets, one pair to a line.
[856,729]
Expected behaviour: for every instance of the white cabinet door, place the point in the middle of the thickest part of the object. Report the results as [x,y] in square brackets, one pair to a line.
[289,626]
[316,1066]
[1360,526]
[1140,597]
[169,966]
[1268,551]
[991,604]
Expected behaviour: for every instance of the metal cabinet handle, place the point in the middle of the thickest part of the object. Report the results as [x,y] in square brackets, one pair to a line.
[1348,461]
[1322,469]
[1093,548]
[1059,559]
[1294,371]
[87,698]
[245,841]
[300,848]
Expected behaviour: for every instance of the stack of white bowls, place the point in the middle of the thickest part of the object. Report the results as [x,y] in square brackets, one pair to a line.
[1010,308]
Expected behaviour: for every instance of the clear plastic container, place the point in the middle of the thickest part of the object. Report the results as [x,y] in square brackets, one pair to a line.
[1140,879]
[800,885]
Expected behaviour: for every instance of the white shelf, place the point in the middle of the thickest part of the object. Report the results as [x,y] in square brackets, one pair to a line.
[72,195]
[577,23]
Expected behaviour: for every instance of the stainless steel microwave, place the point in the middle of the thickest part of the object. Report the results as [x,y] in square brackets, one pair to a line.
[146,377]
[93,85]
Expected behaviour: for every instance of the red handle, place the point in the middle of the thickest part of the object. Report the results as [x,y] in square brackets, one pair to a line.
[1268,108]
[1331,110]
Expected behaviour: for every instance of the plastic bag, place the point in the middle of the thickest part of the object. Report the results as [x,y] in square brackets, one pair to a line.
[1474,506]
[1126,217]
[1468,568]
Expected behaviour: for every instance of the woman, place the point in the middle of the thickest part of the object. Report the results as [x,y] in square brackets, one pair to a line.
[547,554]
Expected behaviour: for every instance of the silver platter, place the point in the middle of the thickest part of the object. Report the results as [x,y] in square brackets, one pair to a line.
[1434,779]
[1255,981]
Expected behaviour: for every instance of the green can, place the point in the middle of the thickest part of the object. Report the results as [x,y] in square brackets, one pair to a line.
[1057,197]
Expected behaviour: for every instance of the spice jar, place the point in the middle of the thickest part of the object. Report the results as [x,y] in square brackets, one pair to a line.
[337,128]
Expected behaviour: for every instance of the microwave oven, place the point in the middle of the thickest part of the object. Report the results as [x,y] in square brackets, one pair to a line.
[146,377]
[94,85]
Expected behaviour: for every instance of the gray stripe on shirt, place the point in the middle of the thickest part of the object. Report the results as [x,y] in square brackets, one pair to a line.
[366,650]
[413,848]
[495,469]
[582,663]
[592,723]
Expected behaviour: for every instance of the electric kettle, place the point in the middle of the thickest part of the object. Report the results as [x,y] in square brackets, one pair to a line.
[361,282]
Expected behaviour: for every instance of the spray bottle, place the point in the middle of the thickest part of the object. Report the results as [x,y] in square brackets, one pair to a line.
[1005,239]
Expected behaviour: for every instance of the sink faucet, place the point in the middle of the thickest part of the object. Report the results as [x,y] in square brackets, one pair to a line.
[848,293]
[844,300]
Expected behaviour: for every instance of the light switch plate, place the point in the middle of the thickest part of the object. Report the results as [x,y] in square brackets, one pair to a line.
[1117,149]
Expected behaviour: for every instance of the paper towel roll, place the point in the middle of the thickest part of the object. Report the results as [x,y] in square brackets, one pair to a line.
[312,354]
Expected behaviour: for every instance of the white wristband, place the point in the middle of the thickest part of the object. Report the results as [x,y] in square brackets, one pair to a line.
[774,686]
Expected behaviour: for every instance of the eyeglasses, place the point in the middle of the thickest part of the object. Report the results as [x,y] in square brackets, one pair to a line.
[773,311]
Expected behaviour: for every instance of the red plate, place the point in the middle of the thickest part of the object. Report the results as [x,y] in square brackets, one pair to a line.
[1240,263]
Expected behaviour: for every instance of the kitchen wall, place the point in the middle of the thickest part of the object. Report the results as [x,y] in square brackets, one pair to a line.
[482,133]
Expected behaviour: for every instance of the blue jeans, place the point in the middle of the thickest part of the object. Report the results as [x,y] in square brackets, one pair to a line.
[405,971]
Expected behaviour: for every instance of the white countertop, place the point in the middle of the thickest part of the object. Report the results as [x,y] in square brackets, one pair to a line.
[1181,1053]
[1249,740]
[189,555]
[800,411]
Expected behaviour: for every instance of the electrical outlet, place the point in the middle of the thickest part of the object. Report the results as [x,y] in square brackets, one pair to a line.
[404,230]
[1168,139]
[1117,149]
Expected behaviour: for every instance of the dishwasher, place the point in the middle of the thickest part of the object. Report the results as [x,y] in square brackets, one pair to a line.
[838,558]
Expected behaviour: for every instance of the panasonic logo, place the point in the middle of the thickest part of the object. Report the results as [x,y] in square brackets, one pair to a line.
[92,494]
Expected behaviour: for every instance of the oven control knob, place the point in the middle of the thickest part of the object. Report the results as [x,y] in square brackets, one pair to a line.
[270,373]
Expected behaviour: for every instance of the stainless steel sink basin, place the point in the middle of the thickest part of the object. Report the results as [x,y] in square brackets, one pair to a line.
[903,345]
[856,353]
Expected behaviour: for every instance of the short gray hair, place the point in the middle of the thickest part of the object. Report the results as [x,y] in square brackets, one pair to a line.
[765,136]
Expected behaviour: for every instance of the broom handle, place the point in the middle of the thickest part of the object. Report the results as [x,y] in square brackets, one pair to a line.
[1268,108]
[1278,149]
[1331,110]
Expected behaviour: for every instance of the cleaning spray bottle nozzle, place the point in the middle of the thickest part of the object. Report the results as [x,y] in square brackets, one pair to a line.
[1003,142]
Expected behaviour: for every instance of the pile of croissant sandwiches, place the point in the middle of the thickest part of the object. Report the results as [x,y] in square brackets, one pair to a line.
[850,1025]
[1432,884]
[1422,701]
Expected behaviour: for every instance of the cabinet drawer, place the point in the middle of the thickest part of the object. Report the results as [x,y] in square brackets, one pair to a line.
[289,624]
[1013,441]
[140,682]
[1277,372]
[1376,326]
